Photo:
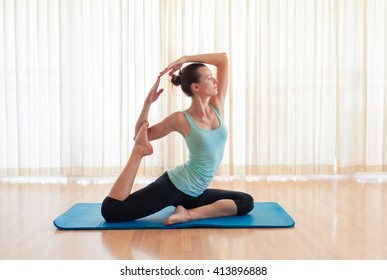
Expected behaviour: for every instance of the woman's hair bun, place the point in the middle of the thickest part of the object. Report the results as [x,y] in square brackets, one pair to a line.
[176,80]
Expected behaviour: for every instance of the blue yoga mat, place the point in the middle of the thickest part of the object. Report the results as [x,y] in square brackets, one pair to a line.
[87,216]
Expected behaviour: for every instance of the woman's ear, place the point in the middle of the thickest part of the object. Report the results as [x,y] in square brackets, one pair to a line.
[194,87]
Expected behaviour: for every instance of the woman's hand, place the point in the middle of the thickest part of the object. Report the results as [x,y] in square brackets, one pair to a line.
[174,66]
[154,93]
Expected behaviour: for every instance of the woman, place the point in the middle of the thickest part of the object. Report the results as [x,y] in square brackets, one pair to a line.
[202,126]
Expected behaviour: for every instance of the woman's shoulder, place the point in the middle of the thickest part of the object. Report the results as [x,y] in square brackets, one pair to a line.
[180,122]
[177,116]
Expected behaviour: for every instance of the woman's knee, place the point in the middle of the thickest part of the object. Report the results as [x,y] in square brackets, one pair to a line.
[109,211]
[244,204]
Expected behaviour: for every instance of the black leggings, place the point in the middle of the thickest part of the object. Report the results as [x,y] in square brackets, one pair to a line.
[162,193]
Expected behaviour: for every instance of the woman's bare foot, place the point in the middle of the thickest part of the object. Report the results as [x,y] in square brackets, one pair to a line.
[141,140]
[181,215]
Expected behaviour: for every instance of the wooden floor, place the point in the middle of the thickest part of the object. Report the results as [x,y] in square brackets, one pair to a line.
[336,218]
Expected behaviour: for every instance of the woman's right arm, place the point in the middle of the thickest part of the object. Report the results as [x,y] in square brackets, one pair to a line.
[174,122]
[153,95]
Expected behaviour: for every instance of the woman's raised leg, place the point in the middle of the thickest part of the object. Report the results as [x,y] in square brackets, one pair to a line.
[122,187]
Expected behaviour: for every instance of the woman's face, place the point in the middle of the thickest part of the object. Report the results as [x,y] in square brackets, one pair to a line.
[208,85]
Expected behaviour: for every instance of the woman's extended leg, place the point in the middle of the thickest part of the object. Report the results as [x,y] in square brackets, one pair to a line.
[122,187]
[143,202]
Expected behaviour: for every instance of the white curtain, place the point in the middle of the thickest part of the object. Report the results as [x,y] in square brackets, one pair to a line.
[307,91]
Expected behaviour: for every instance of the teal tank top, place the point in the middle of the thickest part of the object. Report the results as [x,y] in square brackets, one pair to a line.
[206,148]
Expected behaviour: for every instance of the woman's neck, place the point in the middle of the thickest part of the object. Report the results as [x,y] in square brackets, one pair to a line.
[200,107]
